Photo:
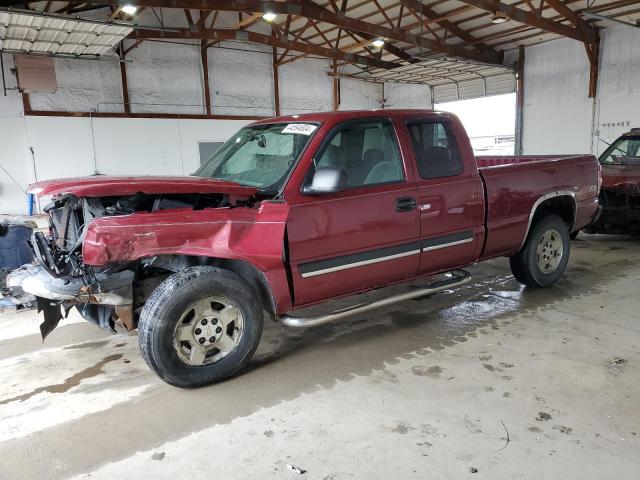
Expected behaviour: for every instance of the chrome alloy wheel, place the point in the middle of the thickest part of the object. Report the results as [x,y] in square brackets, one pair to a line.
[208,330]
[549,251]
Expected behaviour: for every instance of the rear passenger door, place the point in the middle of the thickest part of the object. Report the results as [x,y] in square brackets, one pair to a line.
[450,196]
[364,236]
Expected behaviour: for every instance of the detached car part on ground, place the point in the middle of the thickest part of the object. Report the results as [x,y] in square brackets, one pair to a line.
[620,192]
[293,212]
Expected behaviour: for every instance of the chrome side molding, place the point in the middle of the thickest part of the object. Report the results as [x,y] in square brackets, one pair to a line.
[454,278]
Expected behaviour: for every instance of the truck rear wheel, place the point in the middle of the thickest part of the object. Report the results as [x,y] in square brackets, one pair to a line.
[200,325]
[544,257]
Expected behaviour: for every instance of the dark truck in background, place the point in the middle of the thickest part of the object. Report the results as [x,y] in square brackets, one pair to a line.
[620,192]
[292,212]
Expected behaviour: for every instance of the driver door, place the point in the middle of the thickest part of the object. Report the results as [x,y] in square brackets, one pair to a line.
[364,236]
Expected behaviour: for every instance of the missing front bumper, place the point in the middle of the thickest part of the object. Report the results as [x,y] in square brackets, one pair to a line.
[55,296]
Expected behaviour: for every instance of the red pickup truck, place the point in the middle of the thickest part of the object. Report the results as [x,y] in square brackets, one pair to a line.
[291,212]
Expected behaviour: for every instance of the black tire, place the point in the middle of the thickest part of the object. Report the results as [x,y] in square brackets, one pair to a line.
[166,305]
[524,264]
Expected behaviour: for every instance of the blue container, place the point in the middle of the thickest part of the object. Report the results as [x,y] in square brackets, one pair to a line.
[14,250]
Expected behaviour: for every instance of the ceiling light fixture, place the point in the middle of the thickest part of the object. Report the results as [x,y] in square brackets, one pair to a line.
[269,17]
[378,43]
[499,17]
[129,9]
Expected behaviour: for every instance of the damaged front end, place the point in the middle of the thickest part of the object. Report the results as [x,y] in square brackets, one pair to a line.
[104,295]
[620,213]
[620,193]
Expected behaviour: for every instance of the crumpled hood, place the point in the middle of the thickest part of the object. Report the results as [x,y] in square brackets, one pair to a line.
[102,186]
[623,178]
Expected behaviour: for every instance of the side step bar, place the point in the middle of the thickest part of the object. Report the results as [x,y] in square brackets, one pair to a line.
[455,278]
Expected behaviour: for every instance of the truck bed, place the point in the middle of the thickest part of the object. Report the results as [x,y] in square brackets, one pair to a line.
[513,185]
[490,161]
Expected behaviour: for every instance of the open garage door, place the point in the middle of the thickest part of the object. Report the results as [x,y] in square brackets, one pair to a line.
[453,80]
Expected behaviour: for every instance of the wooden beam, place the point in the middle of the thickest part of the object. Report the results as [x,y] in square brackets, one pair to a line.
[310,10]
[205,76]
[594,72]
[589,32]
[272,41]
[123,77]
[448,25]
[522,16]
[250,20]
[276,82]
[335,97]
[296,37]
[520,101]
[182,116]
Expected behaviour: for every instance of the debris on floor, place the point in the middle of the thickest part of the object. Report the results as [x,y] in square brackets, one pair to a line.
[298,470]
[617,361]
[543,417]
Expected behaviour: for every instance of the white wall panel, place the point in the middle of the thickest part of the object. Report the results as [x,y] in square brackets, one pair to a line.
[11,104]
[556,71]
[359,95]
[305,87]
[620,63]
[618,86]
[557,129]
[165,78]
[407,95]
[62,146]
[241,83]
[557,113]
[83,85]
[16,163]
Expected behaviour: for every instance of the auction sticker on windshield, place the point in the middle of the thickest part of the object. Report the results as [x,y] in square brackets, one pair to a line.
[301,128]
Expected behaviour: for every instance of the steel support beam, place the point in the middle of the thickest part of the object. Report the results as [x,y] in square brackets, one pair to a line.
[522,16]
[205,76]
[303,8]
[272,41]
[431,15]
[123,76]
[276,82]
[520,101]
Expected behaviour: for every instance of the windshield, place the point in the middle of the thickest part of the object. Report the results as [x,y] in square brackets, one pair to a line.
[624,151]
[259,155]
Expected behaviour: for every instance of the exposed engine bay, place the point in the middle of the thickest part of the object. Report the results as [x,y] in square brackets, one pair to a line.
[102,295]
[620,214]
[620,193]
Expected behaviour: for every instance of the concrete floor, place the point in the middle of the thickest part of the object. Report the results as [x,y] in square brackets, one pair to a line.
[491,381]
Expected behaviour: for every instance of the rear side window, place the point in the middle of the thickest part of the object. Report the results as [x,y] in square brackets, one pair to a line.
[435,149]
[367,151]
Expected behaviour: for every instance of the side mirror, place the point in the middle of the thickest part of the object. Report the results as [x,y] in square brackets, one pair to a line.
[326,180]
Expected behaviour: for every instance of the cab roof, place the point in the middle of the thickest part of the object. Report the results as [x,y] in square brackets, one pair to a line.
[321,117]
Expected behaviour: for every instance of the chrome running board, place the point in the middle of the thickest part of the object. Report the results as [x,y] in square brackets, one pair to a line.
[455,279]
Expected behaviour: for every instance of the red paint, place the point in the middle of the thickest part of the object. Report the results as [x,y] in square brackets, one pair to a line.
[348,222]
[623,178]
[102,186]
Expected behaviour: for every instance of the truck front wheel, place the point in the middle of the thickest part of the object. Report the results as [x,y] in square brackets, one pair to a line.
[545,254]
[200,325]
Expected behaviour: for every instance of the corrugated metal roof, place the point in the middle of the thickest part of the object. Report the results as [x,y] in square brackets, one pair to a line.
[26,33]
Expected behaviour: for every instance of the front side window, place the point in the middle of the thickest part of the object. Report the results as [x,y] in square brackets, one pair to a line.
[367,151]
[259,155]
[624,151]
[435,149]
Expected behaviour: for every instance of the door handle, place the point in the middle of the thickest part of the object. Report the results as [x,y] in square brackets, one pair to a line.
[405,204]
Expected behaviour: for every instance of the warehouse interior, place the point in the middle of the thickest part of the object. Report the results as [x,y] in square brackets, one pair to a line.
[492,380]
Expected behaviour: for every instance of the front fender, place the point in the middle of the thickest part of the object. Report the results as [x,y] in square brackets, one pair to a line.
[254,235]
